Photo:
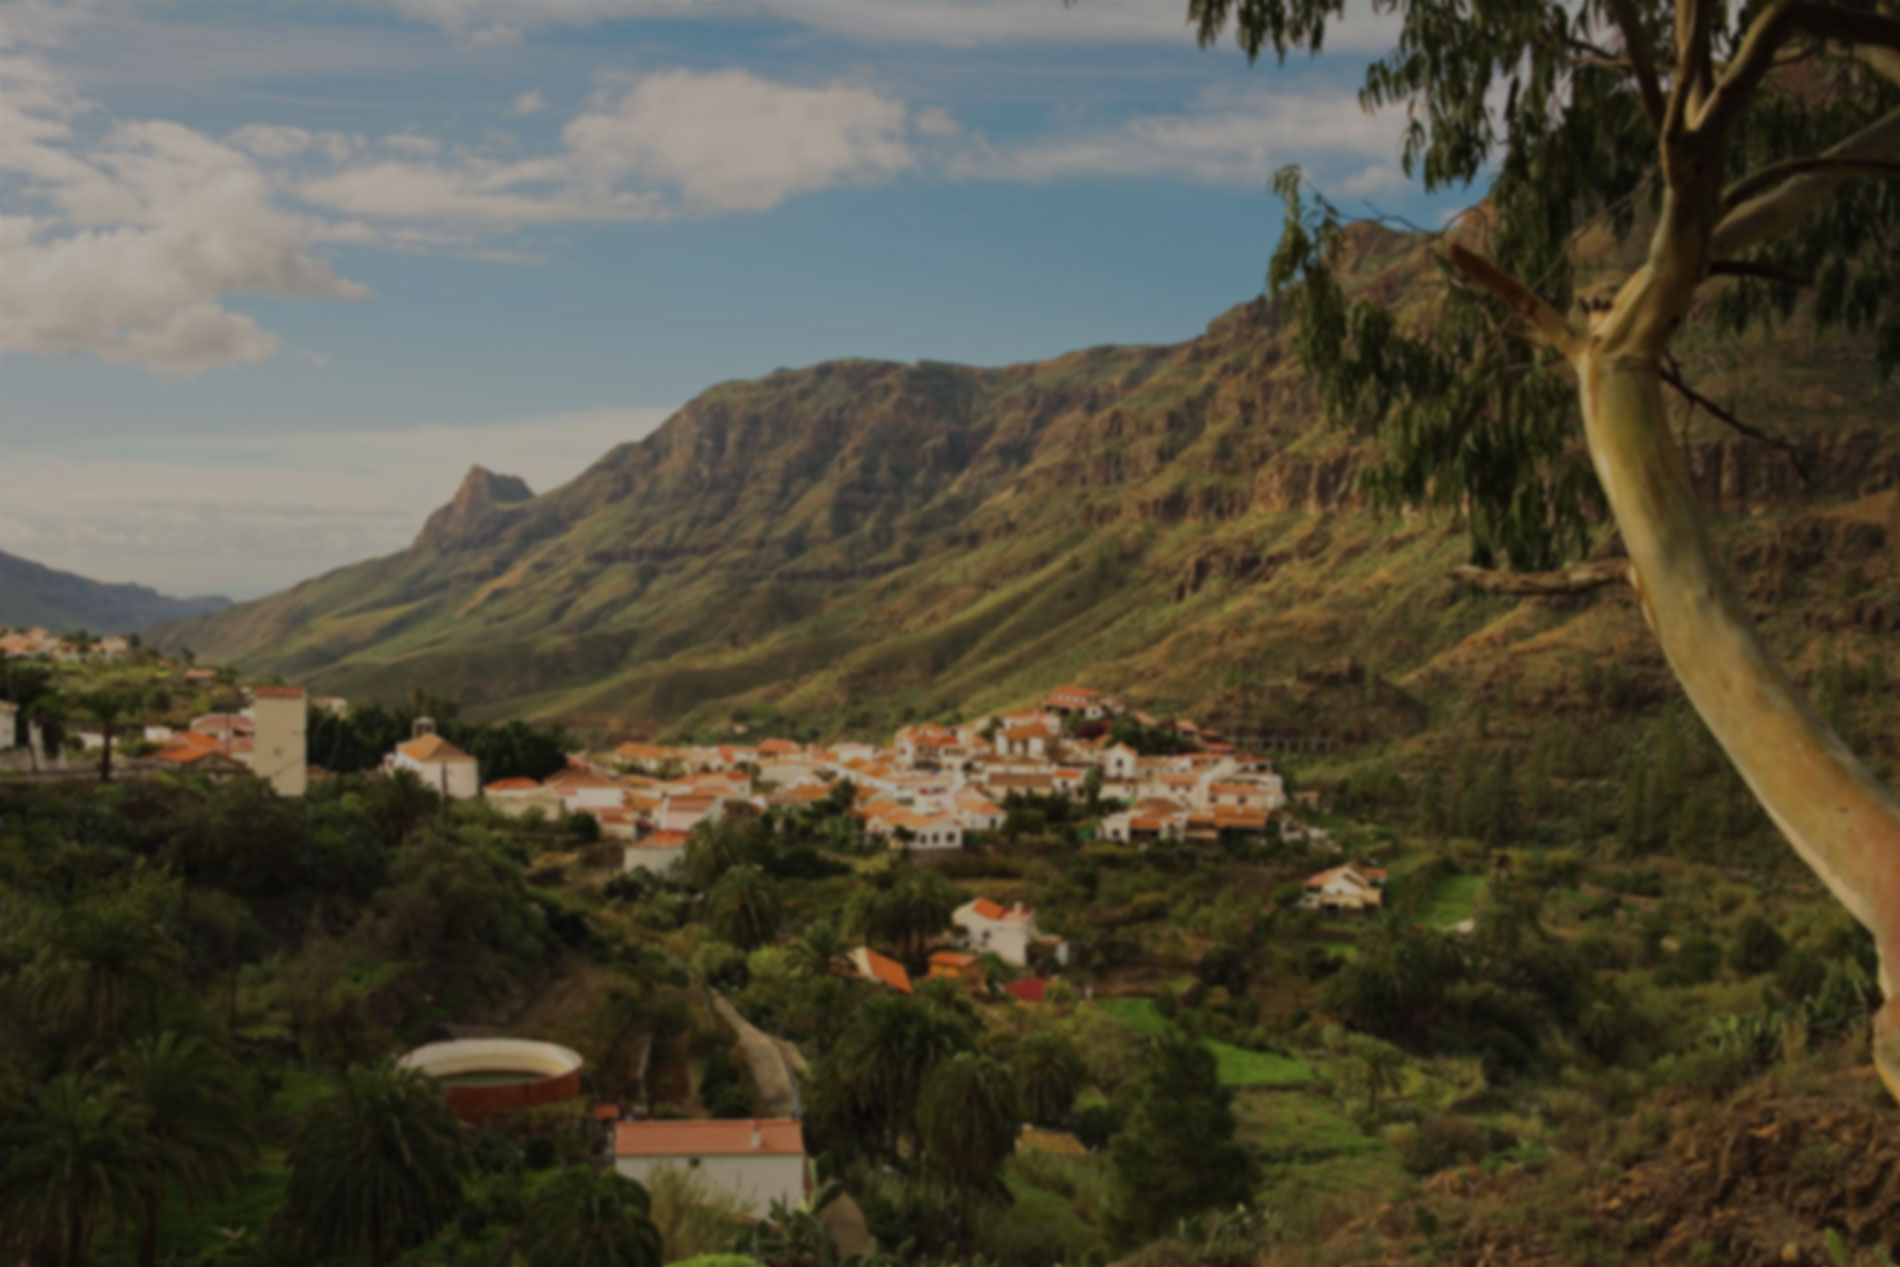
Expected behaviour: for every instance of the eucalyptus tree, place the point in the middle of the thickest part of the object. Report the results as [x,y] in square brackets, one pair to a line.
[376,1166]
[591,1218]
[1755,144]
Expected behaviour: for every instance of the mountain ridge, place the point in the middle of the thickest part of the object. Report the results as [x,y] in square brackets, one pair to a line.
[859,540]
[35,594]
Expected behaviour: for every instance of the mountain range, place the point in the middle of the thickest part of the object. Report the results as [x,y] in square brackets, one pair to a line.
[861,542]
[34,594]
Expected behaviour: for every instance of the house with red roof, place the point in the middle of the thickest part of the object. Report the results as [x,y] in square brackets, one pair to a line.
[1028,990]
[1008,932]
[437,762]
[882,969]
[1082,701]
[516,796]
[655,852]
[1345,888]
[1036,739]
[959,966]
[756,1161]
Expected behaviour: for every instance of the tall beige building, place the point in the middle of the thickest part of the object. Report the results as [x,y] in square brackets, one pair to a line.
[279,751]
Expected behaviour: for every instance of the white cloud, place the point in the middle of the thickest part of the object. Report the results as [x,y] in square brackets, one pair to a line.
[413,143]
[675,143]
[731,141]
[1226,137]
[957,24]
[530,102]
[146,229]
[255,513]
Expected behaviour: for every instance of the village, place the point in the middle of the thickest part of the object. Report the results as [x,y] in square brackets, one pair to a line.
[926,795]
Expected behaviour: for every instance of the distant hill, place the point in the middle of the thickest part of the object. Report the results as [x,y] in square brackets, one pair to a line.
[34,594]
[860,542]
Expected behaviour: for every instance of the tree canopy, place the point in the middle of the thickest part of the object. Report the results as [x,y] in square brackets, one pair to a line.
[1756,148]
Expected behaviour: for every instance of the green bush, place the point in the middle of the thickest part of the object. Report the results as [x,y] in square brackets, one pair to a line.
[1441,1142]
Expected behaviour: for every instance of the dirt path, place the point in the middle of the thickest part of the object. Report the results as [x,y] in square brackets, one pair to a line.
[772,1067]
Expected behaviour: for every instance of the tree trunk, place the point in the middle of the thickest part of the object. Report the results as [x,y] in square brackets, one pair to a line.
[105,756]
[148,1234]
[1845,826]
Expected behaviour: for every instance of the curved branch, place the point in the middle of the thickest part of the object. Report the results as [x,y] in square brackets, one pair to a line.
[1768,214]
[1772,174]
[1779,23]
[1519,298]
[1580,579]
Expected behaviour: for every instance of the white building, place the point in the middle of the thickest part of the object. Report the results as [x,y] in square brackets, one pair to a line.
[758,1161]
[438,763]
[515,797]
[1004,931]
[585,791]
[656,853]
[1346,888]
[280,720]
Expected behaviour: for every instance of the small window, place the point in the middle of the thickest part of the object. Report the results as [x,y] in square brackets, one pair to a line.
[692,1163]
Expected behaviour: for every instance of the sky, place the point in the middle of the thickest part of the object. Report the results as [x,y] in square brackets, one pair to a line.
[274,274]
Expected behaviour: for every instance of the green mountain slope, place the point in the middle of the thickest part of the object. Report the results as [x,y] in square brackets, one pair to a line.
[861,541]
[34,594]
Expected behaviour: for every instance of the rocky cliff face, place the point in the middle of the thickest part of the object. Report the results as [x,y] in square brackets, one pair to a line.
[863,535]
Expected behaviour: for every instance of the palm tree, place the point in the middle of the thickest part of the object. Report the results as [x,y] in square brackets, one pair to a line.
[591,1218]
[1048,1075]
[197,1126]
[377,1166]
[77,1161]
[744,907]
[967,1122]
[108,706]
[884,1055]
[104,964]
[815,951]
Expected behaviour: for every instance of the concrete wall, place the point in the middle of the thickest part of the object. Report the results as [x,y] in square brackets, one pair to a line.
[756,1181]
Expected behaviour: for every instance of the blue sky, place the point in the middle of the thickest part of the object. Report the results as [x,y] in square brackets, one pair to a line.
[273,275]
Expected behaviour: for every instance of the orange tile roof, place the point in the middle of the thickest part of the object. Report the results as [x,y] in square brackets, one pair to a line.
[951,959]
[511,785]
[432,748]
[988,908]
[661,840]
[278,692]
[882,968]
[710,1138]
[777,748]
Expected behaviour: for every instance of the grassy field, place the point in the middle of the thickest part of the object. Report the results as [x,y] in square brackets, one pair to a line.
[1238,1066]
[1454,898]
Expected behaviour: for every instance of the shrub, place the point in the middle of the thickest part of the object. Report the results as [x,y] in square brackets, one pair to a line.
[1441,1142]
[1758,947]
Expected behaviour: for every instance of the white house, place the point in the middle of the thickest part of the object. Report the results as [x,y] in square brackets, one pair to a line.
[1345,888]
[1026,739]
[1005,931]
[1121,764]
[757,1162]
[683,812]
[656,853]
[438,763]
[516,796]
[585,791]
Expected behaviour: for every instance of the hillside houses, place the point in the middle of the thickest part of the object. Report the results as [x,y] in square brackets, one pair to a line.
[1008,932]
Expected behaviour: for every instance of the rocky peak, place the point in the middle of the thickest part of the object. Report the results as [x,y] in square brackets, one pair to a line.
[471,516]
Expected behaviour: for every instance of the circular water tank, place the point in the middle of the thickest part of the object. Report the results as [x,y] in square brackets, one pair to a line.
[486,1076]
